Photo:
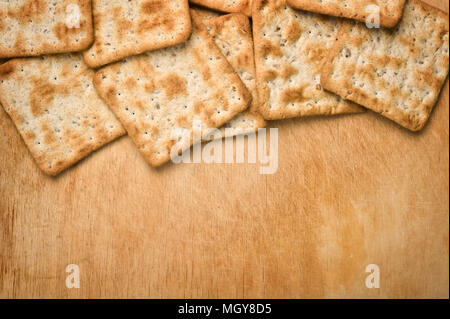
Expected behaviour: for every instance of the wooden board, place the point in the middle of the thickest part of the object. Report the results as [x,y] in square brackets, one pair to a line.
[350,191]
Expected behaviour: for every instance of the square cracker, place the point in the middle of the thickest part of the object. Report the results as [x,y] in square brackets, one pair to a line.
[232,6]
[233,35]
[129,27]
[290,49]
[53,103]
[397,73]
[390,10]
[172,98]
[36,27]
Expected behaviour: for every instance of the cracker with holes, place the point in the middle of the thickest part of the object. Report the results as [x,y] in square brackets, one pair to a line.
[232,34]
[36,27]
[129,27]
[172,98]
[232,6]
[53,103]
[389,12]
[290,49]
[399,73]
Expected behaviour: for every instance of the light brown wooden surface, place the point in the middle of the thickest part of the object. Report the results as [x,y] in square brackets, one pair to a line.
[350,191]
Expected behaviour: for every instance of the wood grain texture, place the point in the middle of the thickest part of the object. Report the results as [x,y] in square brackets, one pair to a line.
[350,191]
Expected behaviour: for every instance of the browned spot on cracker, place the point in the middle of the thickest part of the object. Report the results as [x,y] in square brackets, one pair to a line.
[386,60]
[43,94]
[270,75]
[154,130]
[173,85]
[182,121]
[244,59]
[268,48]
[111,95]
[198,107]
[149,86]
[152,6]
[145,66]
[140,106]
[61,30]
[29,12]
[316,54]
[18,44]
[29,136]
[6,70]
[288,71]
[293,95]
[220,95]
[49,136]
[146,25]
[293,32]
[204,68]
[121,24]
[130,83]
[158,16]
[208,117]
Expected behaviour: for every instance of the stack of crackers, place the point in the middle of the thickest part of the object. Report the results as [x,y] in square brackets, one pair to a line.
[77,74]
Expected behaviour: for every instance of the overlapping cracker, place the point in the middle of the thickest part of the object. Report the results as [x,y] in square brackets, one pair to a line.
[163,96]
[36,27]
[232,6]
[398,73]
[53,103]
[205,13]
[390,11]
[290,49]
[129,27]
[232,34]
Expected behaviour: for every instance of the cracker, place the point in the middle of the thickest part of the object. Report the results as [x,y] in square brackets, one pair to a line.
[53,104]
[290,49]
[232,34]
[205,13]
[161,94]
[232,6]
[36,27]
[390,10]
[129,27]
[248,10]
[398,73]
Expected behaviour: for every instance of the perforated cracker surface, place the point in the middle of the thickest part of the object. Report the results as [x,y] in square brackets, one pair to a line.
[290,49]
[36,27]
[165,95]
[390,11]
[53,103]
[398,74]
[232,34]
[128,27]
